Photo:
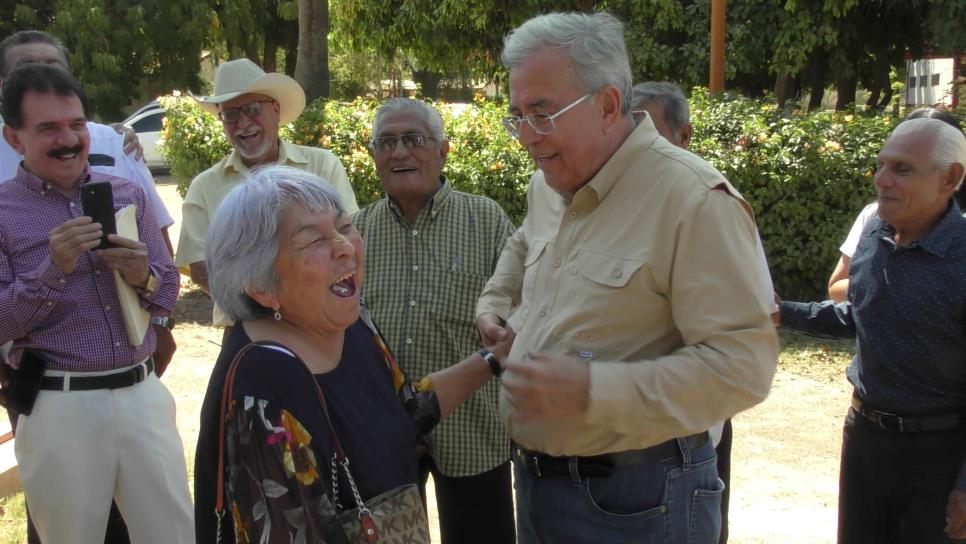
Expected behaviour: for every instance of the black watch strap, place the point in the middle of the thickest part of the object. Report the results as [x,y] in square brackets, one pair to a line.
[492,361]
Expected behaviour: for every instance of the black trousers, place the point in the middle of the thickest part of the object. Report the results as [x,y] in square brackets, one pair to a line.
[724,472]
[472,509]
[893,487]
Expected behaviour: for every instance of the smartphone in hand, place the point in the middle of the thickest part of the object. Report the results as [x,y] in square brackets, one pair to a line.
[97,199]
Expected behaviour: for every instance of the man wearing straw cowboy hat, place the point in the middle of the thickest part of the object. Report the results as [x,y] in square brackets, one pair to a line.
[251,106]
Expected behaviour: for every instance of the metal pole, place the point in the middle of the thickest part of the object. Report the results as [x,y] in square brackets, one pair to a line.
[717,46]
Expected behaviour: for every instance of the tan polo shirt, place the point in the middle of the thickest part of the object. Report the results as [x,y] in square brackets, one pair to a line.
[648,273]
[210,187]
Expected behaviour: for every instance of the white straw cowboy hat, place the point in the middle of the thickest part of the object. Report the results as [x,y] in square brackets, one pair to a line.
[237,77]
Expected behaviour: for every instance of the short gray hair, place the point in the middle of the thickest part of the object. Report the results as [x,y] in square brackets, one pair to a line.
[434,121]
[595,43]
[242,240]
[949,147]
[669,96]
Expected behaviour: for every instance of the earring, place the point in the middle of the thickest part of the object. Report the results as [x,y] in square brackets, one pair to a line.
[278,315]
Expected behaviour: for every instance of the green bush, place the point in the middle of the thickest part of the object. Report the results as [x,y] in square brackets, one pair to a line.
[806,176]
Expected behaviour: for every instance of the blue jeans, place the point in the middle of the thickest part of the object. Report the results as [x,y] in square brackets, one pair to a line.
[672,501]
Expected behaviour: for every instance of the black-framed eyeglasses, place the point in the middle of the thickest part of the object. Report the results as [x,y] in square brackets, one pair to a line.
[387,144]
[251,110]
[542,123]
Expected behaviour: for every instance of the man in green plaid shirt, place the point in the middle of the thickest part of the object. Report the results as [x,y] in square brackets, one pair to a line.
[430,250]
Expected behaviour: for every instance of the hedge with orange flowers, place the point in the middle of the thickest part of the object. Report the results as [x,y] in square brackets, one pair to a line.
[806,175]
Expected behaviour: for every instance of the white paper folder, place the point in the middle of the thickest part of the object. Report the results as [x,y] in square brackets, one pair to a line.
[136,318]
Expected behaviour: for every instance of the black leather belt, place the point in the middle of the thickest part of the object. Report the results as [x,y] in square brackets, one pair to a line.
[542,465]
[907,424]
[127,378]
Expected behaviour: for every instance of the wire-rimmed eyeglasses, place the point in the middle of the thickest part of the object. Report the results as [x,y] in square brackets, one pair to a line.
[387,144]
[542,123]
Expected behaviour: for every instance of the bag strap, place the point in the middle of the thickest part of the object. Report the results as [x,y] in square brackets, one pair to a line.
[369,531]
[225,396]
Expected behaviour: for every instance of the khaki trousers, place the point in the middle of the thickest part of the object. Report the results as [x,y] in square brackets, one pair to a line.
[78,449]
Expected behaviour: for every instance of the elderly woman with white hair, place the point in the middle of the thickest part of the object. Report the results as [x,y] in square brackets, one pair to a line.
[310,382]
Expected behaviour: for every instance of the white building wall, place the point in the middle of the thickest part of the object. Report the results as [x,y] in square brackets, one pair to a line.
[929,82]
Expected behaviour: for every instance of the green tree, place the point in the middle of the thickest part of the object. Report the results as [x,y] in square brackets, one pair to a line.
[312,69]
[258,30]
[119,48]
[439,38]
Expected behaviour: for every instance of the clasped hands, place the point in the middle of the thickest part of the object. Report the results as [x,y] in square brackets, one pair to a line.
[70,239]
[546,386]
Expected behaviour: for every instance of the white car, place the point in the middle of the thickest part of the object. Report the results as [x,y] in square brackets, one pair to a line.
[147,122]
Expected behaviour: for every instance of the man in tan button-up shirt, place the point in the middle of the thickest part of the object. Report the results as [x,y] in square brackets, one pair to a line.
[641,321]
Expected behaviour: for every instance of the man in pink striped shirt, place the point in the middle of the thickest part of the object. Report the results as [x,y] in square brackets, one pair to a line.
[102,424]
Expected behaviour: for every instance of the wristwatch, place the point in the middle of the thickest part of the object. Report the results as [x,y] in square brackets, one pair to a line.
[151,285]
[165,321]
[492,361]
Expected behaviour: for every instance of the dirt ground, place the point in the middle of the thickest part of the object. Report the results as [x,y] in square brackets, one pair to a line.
[785,456]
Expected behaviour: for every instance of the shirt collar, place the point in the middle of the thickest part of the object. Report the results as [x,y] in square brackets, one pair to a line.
[639,141]
[33,182]
[433,207]
[288,154]
[940,237]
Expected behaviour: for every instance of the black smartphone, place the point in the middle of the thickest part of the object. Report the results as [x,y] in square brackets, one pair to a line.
[97,200]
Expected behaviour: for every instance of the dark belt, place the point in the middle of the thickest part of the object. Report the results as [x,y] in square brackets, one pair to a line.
[127,378]
[907,424]
[542,465]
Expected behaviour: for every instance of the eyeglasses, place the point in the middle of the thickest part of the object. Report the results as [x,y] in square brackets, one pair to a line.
[542,123]
[387,144]
[638,115]
[251,110]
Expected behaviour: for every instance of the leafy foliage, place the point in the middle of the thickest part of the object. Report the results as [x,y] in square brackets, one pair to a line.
[806,175]
[120,48]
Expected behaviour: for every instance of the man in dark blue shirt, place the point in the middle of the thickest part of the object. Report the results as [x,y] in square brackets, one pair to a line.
[904,440]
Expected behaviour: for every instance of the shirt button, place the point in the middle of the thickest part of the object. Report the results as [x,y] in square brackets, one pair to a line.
[97,272]
[412,302]
[415,232]
[62,281]
[543,313]
[556,263]
[573,215]
[573,272]
[409,340]
[415,268]
[107,308]
[618,273]
[117,344]
[71,204]
[50,304]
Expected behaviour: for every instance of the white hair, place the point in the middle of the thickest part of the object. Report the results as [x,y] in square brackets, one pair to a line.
[242,240]
[434,121]
[594,42]
[669,96]
[949,146]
